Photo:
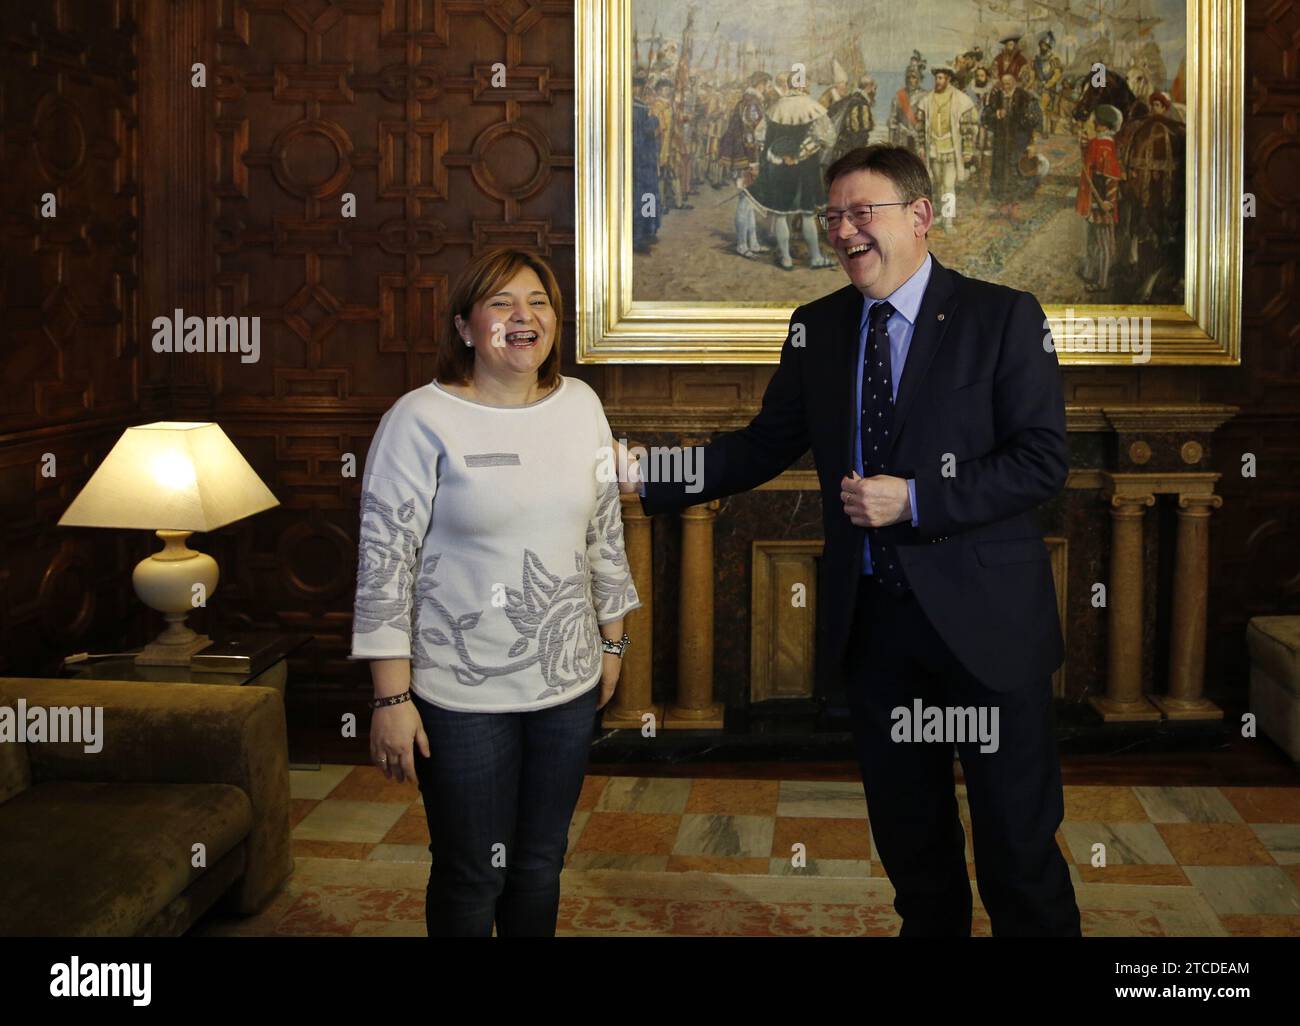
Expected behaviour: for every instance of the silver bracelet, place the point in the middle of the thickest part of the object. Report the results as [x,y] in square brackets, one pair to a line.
[615,647]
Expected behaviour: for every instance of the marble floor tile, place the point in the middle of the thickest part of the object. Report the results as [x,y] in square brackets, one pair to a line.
[1214,844]
[724,864]
[734,797]
[316,783]
[1265,804]
[1262,926]
[411,828]
[298,809]
[1281,839]
[1246,890]
[1134,873]
[348,821]
[630,833]
[1180,911]
[853,868]
[583,861]
[644,794]
[380,874]
[401,853]
[1108,922]
[822,838]
[832,799]
[1103,804]
[329,849]
[1125,843]
[576,825]
[592,786]
[368,784]
[711,834]
[1186,805]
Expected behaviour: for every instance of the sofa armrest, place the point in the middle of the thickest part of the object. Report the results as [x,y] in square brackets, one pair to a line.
[180,733]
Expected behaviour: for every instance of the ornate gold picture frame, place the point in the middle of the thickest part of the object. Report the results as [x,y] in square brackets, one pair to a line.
[613,44]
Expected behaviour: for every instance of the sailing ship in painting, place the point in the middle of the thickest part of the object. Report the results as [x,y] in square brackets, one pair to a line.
[1054,132]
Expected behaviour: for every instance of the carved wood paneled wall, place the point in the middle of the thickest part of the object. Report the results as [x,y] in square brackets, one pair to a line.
[69,312]
[240,192]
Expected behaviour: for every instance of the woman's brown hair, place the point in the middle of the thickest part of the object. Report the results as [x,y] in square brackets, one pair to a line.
[484,277]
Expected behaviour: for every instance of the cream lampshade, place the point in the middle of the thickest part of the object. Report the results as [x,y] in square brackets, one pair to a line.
[173,478]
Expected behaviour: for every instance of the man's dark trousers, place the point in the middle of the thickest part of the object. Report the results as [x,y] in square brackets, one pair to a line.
[895,656]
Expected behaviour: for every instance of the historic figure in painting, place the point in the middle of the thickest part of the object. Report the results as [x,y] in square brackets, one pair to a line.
[797,133]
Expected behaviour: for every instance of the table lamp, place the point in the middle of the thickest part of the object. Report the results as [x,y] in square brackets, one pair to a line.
[174,478]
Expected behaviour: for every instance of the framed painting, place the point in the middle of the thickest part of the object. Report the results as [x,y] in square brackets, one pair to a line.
[1087,151]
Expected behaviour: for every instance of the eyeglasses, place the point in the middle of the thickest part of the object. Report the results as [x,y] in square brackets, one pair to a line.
[858,216]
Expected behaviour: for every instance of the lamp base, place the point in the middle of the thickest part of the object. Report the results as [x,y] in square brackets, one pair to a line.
[174,646]
[155,654]
[168,581]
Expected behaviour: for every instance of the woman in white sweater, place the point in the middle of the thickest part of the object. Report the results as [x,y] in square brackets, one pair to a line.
[491,590]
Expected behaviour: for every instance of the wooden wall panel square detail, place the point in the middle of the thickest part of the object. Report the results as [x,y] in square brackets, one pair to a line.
[782,623]
[359,154]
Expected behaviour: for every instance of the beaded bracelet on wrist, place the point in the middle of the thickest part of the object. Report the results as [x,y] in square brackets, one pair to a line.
[378,703]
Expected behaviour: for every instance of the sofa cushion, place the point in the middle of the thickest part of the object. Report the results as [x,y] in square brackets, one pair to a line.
[15,770]
[1274,645]
[86,858]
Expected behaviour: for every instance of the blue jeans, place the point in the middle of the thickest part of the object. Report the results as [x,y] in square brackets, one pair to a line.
[499,793]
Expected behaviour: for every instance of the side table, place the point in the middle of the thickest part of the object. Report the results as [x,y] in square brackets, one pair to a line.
[275,675]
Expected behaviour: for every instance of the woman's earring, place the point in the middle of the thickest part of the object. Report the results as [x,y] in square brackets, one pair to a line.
[467,341]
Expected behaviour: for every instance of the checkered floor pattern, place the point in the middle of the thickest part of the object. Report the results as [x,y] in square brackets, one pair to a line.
[661,856]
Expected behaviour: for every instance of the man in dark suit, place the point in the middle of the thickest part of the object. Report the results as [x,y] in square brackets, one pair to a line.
[933,406]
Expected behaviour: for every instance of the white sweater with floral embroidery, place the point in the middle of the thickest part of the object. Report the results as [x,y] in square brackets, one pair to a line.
[491,549]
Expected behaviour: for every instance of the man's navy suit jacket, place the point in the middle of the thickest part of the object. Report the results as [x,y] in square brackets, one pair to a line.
[979,422]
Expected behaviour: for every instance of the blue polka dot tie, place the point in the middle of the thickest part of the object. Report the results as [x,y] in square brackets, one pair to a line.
[877,428]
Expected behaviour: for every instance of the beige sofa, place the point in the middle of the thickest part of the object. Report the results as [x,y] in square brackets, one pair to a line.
[102,844]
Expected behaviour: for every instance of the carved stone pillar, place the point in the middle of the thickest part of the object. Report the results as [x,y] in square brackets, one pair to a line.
[1124,700]
[695,707]
[632,698]
[1191,585]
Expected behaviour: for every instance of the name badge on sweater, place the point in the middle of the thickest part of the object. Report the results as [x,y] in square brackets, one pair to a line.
[492,459]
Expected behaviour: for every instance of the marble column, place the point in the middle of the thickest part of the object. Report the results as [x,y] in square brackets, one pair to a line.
[695,708]
[632,699]
[1185,700]
[1124,700]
